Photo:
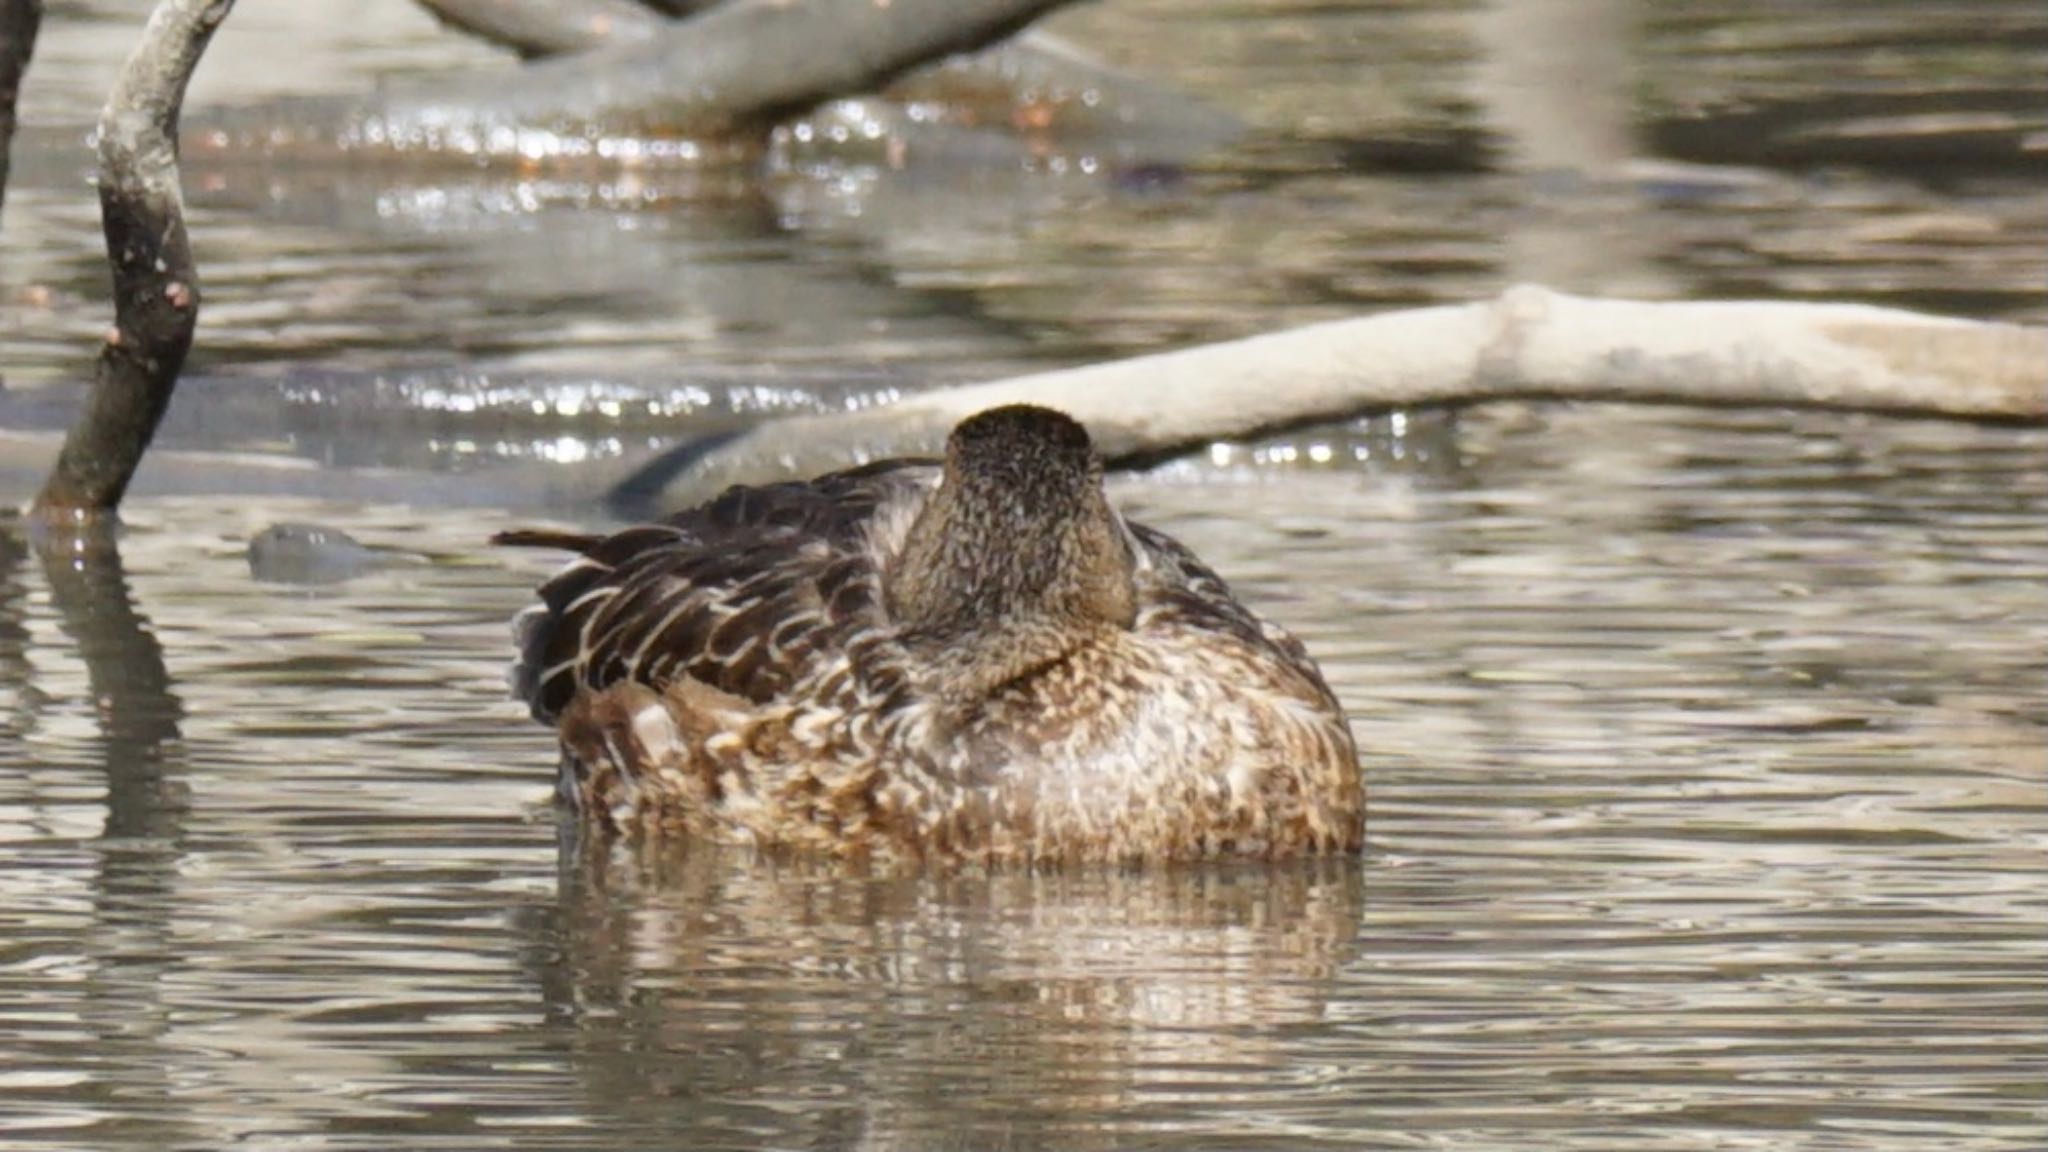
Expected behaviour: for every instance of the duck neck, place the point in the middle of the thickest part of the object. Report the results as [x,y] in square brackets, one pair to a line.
[995,584]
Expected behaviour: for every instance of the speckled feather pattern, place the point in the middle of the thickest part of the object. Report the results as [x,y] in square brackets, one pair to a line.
[733,675]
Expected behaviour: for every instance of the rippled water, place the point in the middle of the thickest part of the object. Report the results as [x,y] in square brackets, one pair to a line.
[1388,161]
[1708,752]
[1708,808]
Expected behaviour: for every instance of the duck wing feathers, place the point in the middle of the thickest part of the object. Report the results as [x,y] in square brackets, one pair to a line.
[1177,590]
[746,594]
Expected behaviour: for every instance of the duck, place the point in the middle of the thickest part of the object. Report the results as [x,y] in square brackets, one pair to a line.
[975,658]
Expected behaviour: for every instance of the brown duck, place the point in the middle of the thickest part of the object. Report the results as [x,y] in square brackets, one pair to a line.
[977,658]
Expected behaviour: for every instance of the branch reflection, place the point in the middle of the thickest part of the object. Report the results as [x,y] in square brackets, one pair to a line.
[124,664]
[130,943]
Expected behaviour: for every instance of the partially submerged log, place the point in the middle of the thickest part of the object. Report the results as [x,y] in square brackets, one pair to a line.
[156,287]
[741,63]
[535,28]
[547,27]
[1528,344]
[750,61]
[1030,79]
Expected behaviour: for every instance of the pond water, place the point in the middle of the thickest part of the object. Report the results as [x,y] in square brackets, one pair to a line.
[1708,752]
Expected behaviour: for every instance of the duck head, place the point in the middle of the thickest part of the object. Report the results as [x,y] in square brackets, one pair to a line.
[1017,559]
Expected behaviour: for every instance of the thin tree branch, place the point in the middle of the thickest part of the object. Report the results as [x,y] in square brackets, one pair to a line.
[156,289]
[19,20]
[742,62]
[1530,343]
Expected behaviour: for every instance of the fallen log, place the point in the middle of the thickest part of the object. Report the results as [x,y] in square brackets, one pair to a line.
[1033,78]
[742,63]
[535,28]
[1530,343]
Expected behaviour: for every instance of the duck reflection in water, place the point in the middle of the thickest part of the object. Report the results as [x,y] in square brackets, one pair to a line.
[977,658]
[706,996]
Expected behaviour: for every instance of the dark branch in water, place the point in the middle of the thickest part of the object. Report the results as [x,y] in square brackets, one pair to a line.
[743,62]
[156,290]
[678,8]
[535,28]
[19,20]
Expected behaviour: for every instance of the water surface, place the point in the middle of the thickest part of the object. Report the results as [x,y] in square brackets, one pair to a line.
[1708,752]
[1703,813]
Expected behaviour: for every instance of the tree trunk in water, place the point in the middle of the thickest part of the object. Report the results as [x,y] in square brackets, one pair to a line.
[156,290]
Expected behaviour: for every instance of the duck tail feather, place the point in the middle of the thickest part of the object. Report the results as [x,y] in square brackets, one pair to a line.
[546,538]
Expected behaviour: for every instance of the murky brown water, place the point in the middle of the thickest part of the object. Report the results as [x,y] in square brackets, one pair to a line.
[1708,752]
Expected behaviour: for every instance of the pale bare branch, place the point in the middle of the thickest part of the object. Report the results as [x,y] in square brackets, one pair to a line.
[1530,343]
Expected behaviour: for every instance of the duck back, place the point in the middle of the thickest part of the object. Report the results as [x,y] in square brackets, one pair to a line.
[747,672]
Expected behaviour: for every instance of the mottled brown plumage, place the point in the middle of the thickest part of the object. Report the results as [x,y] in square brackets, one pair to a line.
[974,659]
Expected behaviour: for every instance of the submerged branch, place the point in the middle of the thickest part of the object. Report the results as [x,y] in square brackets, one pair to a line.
[19,21]
[156,289]
[1051,70]
[679,8]
[1530,343]
[742,62]
[536,28]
